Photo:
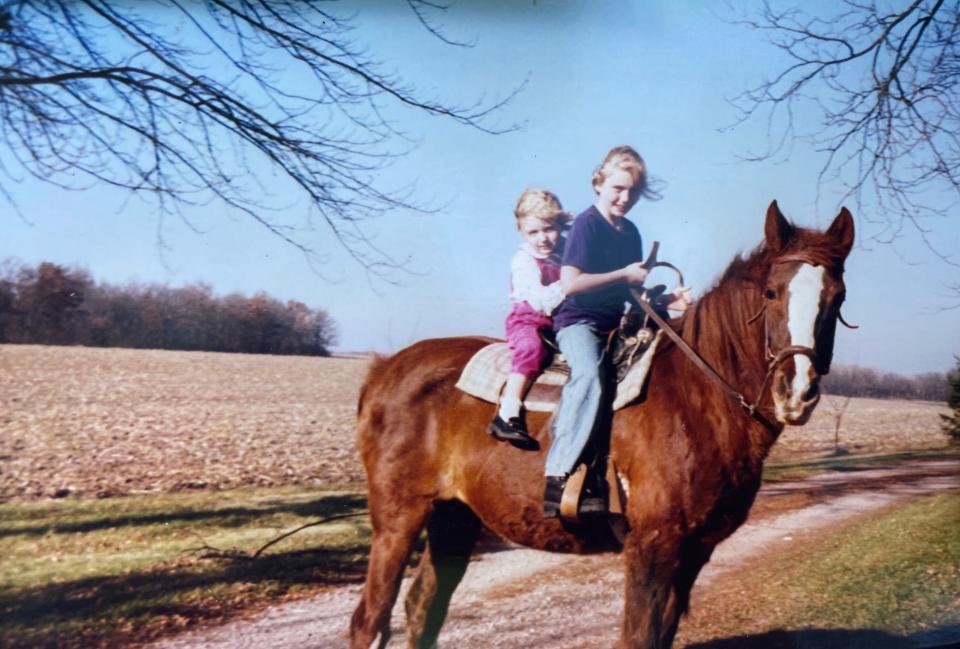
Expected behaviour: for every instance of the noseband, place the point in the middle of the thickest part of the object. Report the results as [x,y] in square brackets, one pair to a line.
[774,360]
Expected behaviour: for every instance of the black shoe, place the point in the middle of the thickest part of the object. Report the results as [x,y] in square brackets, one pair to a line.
[552,495]
[593,498]
[514,431]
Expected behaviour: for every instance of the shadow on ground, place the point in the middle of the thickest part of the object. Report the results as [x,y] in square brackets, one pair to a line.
[943,638]
[826,489]
[321,507]
[199,589]
[108,611]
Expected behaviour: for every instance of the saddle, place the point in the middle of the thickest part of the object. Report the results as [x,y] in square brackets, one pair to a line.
[630,349]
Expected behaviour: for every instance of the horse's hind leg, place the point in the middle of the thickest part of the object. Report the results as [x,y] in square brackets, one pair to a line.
[452,532]
[394,534]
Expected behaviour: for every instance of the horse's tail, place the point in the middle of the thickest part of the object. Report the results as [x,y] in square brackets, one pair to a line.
[370,408]
[377,363]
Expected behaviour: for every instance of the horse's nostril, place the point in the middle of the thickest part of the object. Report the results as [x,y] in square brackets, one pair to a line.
[812,391]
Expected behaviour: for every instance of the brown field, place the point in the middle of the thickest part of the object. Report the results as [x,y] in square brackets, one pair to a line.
[98,422]
[866,426]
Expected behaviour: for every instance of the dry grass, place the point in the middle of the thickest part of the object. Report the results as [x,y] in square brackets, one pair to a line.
[866,426]
[99,422]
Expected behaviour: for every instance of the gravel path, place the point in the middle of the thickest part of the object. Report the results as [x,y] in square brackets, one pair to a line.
[516,597]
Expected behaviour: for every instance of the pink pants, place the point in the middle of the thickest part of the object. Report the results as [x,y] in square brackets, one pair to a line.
[523,327]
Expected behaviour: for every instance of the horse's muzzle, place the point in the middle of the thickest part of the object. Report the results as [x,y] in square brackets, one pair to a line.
[794,406]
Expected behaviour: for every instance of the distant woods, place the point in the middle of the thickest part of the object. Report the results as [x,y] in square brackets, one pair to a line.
[850,381]
[51,304]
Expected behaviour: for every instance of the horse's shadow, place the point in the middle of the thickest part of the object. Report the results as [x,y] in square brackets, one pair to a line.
[322,506]
[947,637]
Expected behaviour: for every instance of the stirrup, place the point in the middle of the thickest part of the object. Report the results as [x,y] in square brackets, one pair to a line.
[575,503]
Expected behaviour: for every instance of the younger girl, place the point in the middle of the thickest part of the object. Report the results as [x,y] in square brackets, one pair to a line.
[535,292]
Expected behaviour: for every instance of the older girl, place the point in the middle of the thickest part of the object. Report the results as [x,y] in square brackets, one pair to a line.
[602,260]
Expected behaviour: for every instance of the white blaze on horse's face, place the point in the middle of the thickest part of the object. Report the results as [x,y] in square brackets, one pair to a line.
[804,300]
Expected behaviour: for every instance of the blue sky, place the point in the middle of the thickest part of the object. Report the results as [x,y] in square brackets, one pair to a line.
[654,75]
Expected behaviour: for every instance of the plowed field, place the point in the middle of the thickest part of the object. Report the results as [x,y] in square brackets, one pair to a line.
[88,422]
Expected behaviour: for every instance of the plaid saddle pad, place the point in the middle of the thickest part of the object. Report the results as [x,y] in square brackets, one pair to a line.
[486,373]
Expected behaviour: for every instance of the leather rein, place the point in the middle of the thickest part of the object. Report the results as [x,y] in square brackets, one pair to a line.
[774,360]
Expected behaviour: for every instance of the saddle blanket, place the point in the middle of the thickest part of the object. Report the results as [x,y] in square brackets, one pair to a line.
[486,373]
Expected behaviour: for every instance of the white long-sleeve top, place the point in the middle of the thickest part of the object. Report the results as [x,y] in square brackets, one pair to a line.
[527,281]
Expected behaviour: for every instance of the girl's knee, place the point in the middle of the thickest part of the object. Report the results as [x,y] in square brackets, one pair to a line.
[587,386]
[586,372]
[528,361]
[529,368]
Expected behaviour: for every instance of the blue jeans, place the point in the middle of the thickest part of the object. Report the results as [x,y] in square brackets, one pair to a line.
[581,398]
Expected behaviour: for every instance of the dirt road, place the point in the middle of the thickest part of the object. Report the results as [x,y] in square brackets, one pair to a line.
[515,597]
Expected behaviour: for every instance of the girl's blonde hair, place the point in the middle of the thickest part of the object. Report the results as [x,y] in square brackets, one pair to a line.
[541,204]
[627,159]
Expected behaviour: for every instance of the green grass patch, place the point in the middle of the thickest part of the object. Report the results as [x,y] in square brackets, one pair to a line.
[899,573]
[107,572]
[795,470]
[872,581]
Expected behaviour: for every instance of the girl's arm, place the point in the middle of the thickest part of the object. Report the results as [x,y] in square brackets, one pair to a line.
[526,285]
[574,281]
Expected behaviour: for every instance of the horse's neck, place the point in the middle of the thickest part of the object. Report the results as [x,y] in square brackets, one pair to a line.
[719,328]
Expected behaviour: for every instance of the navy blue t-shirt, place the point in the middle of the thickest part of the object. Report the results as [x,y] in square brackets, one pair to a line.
[595,246]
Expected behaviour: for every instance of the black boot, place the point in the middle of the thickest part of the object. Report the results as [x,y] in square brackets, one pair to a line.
[552,495]
[514,431]
[593,498]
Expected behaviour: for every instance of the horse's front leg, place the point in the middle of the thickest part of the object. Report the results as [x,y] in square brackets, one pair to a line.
[653,603]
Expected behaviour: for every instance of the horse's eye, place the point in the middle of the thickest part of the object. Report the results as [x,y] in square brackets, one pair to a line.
[770,294]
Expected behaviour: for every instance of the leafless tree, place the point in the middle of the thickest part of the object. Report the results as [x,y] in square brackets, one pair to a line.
[951,423]
[884,79]
[837,406]
[186,102]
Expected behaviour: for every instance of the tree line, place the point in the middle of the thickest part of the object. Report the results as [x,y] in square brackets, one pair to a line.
[55,305]
[852,381]
[52,304]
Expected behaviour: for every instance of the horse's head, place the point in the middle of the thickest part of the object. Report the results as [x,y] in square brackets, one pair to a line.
[803,293]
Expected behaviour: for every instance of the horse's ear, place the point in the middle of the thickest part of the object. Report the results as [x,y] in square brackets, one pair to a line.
[842,230]
[777,229]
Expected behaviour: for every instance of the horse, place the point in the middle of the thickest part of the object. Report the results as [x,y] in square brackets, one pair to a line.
[688,456]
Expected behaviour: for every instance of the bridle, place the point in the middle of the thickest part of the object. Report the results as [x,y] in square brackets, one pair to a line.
[773,360]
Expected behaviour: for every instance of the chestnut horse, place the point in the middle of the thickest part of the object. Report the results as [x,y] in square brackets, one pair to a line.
[688,456]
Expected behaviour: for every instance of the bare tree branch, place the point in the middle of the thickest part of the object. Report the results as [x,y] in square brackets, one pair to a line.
[213,552]
[185,102]
[885,84]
